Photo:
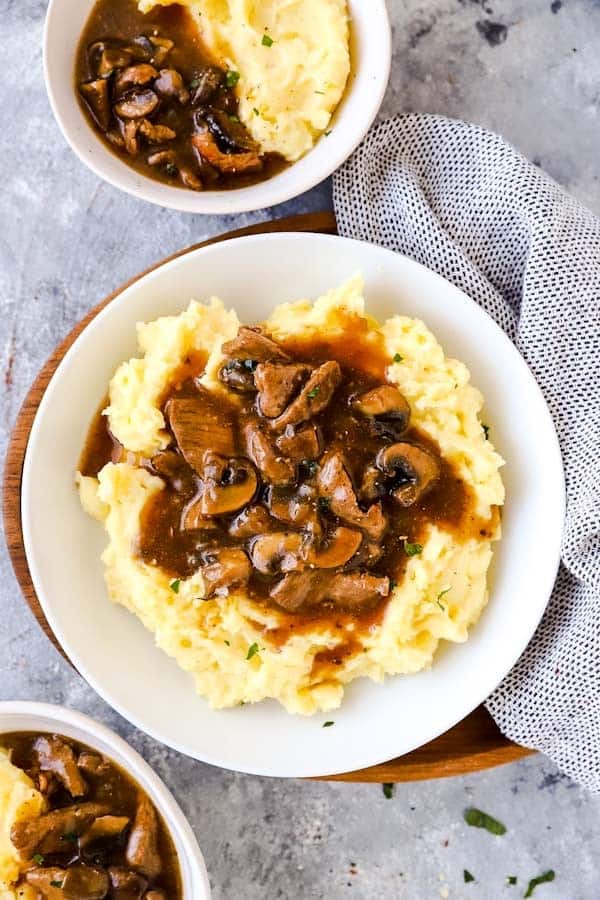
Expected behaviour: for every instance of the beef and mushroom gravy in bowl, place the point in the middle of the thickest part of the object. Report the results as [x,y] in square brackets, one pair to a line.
[82,823]
[293,506]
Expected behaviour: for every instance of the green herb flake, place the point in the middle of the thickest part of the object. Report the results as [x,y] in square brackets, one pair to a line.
[57,884]
[328,724]
[315,391]
[175,585]
[478,819]
[541,879]
[467,876]
[255,111]
[252,650]
[320,92]
[511,879]
[70,836]
[228,643]
[233,117]
[439,597]
[171,169]
[194,84]
[388,790]
[267,41]
[412,549]
[397,358]
[38,859]
[232,78]
[486,431]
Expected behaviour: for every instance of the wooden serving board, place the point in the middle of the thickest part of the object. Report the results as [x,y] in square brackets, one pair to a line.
[473,745]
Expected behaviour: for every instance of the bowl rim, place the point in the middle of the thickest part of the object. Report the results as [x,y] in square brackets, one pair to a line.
[191,859]
[286,185]
[552,553]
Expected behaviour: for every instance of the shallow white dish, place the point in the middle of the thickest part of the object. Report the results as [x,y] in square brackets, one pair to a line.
[376,721]
[23,716]
[371,59]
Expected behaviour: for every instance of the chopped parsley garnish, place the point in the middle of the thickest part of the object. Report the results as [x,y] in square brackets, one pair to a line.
[412,549]
[439,597]
[328,724]
[255,111]
[478,819]
[267,41]
[327,133]
[252,650]
[541,879]
[175,585]
[397,358]
[56,884]
[171,169]
[486,431]
[228,643]
[70,836]
[38,859]
[467,876]
[511,879]
[319,92]
[388,791]
[232,78]
[233,117]
[315,391]
[194,83]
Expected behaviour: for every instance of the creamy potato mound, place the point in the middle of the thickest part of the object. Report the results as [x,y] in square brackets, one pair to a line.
[19,800]
[210,638]
[293,59]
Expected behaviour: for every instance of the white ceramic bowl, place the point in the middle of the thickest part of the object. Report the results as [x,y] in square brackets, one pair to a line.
[371,51]
[376,721]
[40,717]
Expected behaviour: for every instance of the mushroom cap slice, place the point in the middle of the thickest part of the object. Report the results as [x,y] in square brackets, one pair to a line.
[387,405]
[335,486]
[413,470]
[137,104]
[227,484]
[341,546]
[278,552]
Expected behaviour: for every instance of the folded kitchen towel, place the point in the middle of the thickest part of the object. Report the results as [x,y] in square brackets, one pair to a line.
[464,203]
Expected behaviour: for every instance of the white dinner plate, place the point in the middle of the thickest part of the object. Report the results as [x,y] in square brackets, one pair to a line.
[117,655]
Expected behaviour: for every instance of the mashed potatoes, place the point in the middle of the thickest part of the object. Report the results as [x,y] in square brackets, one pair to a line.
[293,60]
[18,800]
[210,638]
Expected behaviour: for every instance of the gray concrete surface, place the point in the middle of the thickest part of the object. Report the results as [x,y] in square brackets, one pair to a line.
[529,69]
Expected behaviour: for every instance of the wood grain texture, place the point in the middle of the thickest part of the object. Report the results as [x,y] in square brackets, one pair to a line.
[472,745]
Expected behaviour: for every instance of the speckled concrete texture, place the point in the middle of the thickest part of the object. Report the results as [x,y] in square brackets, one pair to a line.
[529,69]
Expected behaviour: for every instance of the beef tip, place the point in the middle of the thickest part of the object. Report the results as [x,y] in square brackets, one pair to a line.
[238,374]
[352,591]
[103,830]
[96,96]
[54,832]
[296,589]
[155,895]
[171,466]
[335,486]
[47,881]
[82,882]
[129,130]
[277,383]
[314,396]
[189,179]
[141,852]
[251,521]
[225,569]
[133,76]
[199,424]
[300,444]
[156,134]
[205,84]
[137,104]
[57,757]
[125,884]
[251,343]
[93,765]
[169,84]
[293,510]
[265,455]
[227,163]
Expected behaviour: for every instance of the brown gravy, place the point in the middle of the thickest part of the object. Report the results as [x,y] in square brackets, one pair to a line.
[121,21]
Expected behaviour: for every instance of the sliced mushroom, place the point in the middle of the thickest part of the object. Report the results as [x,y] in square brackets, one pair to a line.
[142,852]
[169,84]
[224,569]
[335,486]
[250,522]
[227,484]
[277,383]
[193,520]
[293,510]
[412,470]
[341,546]
[96,95]
[104,828]
[300,444]
[227,163]
[156,134]
[172,466]
[47,881]
[314,397]
[162,158]
[266,456]
[106,57]
[161,47]
[238,374]
[369,553]
[205,84]
[93,765]
[82,882]
[229,133]
[201,423]
[279,552]
[189,179]
[387,407]
[373,485]
[46,834]
[56,756]
[251,343]
[137,104]
[125,884]
[141,47]
[132,76]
